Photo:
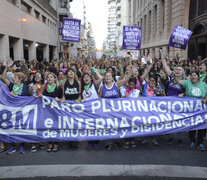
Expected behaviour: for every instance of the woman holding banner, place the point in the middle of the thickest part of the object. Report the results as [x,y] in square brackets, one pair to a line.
[111,90]
[174,89]
[132,92]
[195,88]
[35,89]
[17,88]
[52,90]
[71,92]
[89,91]
[151,89]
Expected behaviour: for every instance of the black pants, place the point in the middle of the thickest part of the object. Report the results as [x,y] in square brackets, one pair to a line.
[199,136]
[93,142]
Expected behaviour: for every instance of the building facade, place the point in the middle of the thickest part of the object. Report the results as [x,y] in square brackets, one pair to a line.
[198,24]
[157,19]
[31,29]
[28,30]
[123,18]
[63,10]
[83,48]
[112,28]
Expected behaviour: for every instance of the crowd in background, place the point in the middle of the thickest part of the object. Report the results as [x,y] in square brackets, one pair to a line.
[86,79]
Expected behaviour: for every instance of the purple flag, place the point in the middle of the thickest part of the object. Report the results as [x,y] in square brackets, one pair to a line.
[179,37]
[131,37]
[71,30]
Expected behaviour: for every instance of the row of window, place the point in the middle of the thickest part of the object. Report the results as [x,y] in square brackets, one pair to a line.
[28,9]
[152,17]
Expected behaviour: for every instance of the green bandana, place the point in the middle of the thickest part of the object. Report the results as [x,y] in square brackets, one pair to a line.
[174,81]
[17,89]
[202,76]
[60,81]
[86,87]
[51,88]
[102,71]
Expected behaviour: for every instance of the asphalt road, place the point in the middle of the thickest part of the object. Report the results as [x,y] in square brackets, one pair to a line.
[161,156]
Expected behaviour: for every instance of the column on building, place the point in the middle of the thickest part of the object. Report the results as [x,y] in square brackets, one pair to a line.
[4,48]
[152,52]
[165,50]
[32,51]
[55,53]
[146,52]
[18,49]
[171,53]
[157,52]
[46,52]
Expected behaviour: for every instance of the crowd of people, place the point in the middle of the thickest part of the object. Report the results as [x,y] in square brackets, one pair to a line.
[86,79]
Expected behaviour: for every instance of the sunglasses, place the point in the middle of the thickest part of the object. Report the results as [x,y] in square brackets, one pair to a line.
[38,75]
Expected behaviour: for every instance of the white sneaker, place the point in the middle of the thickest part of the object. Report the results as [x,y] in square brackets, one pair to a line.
[34,148]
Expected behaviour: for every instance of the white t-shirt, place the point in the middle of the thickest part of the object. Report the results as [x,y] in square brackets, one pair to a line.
[90,94]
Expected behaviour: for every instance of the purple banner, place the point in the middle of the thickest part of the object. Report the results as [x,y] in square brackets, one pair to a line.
[179,37]
[33,120]
[131,37]
[71,30]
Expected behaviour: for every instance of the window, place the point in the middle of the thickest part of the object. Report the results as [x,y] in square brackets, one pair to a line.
[12,1]
[145,27]
[162,17]
[37,14]
[155,19]
[149,24]
[62,3]
[26,7]
[44,19]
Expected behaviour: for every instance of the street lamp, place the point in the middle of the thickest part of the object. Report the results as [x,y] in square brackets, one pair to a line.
[23,20]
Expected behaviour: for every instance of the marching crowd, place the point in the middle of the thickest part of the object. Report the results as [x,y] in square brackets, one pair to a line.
[87,79]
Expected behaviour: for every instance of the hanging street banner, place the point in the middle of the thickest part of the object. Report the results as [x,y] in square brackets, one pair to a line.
[180,37]
[131,37]
[33,120]
[71,29]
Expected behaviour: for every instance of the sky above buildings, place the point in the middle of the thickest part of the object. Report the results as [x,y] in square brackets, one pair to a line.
[96,14]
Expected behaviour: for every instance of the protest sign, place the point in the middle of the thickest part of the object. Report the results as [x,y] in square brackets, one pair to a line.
[131,37]
[179,37]
[33,120]
[71,29]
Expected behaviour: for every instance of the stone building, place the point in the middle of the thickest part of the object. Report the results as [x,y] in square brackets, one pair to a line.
[198,24]
[159,17]
[30,29]
[111,33]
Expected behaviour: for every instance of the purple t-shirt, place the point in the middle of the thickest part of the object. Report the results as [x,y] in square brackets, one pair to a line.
[174,89]
[113,92]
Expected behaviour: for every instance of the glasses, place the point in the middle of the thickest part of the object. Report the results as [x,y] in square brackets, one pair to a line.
[38,75]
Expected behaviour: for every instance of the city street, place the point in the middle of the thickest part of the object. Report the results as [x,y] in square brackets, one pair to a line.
[144,162]
[93,73]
